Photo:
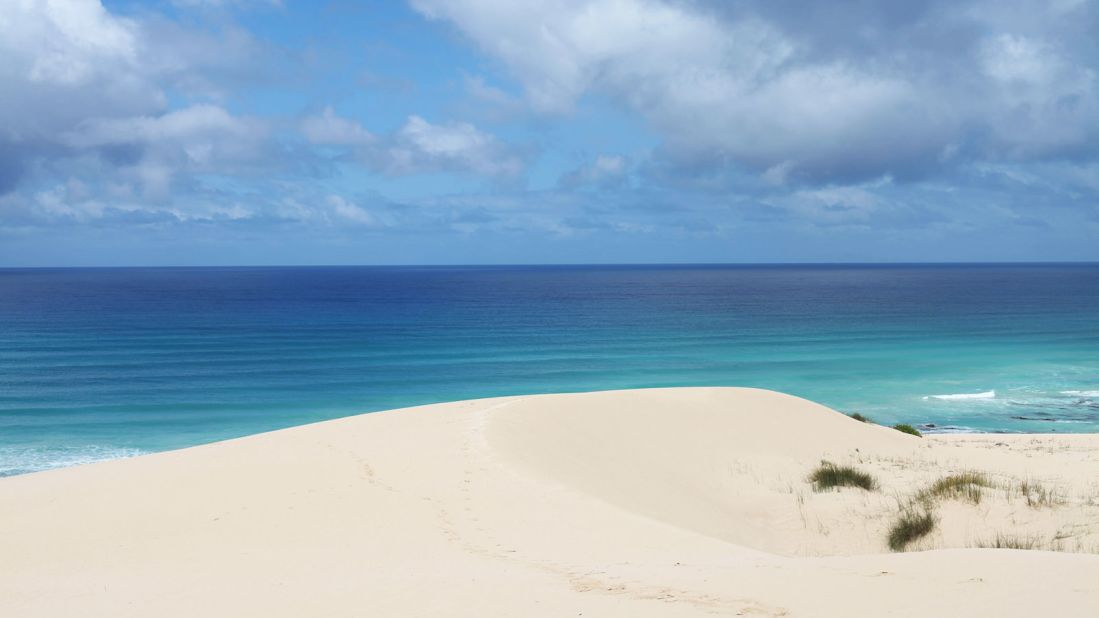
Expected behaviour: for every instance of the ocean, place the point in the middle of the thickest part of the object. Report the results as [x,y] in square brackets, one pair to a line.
[105,363]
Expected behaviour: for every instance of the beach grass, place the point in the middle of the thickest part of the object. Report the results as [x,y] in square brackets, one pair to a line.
[830,476]
[915,522]
[1037,494]
[1009,541]
[967,486]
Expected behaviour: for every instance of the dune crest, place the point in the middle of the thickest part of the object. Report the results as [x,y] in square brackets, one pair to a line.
[662,502]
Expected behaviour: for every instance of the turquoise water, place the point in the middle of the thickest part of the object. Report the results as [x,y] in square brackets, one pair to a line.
[101,363]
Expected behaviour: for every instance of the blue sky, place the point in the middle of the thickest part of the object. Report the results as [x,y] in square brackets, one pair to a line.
[482,131]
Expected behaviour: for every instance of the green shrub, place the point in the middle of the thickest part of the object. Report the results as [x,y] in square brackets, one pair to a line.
[909,429]
[829,476]
[860,418]
[915,522]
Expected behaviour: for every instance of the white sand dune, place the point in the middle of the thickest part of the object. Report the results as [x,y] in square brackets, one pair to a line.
[667,502]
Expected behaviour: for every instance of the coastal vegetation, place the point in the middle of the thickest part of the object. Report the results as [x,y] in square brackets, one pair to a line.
[917,517]
[1010,541]
[1038,495]
[909,429]
[916,520]
[966,486]
[831,476]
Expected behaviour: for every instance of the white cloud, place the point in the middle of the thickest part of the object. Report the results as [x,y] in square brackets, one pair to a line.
[328,129]
[61,201]
[196,122]
[420,146]
[763,87]
[561,49]
[66,42]
[350,212]
[64,61]
[836,204]
[199,138]
[80,82]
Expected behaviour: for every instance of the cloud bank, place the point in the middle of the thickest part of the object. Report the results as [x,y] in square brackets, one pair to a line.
[625,130]
[769,87]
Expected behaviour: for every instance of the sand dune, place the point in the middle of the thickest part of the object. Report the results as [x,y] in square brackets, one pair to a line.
[668,502]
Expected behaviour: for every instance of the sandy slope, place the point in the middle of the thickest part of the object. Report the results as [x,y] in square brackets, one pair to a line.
[672,502]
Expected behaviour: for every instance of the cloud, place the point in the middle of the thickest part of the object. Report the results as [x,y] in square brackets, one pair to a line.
[87,92]
[1048,105]
[417,147]
[420,146]
[156,149]
[328,129]
[63,63]
[197,123]
[134,120]
[883,91]
[880,128]
[79,37]
[606,171]
[217,4]
[347,211]
[66,61]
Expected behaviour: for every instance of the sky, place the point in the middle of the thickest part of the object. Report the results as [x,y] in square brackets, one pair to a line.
[206,132]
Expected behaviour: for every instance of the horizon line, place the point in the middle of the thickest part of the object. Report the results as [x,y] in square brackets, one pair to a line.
[566,264]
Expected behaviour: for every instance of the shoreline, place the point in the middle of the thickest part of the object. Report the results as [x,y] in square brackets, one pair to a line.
[933,433]
[661,502]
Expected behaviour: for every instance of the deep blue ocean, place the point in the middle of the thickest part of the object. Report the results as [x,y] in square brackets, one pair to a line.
[103,363]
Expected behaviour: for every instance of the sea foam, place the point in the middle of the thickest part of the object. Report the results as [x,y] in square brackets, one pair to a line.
[963,396]
[14,460]
[1081,393]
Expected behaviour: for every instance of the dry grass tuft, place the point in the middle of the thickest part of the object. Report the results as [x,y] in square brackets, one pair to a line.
[830,476]
[915,522]
[1010,541]
[1038,495]
[965,486]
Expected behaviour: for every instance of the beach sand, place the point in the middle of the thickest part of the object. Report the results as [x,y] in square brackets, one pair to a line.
[663,502]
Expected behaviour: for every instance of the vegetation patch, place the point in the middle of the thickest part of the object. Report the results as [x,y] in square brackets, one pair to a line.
[1009,541]
[914,523]
[860,418]
[1038,495]
[830,476]
[965,486]
[909,429]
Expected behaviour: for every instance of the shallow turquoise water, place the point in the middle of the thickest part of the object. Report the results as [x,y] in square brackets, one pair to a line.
[100,363]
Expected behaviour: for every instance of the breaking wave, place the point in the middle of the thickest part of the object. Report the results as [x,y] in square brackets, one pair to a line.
[19,460]
[964,396]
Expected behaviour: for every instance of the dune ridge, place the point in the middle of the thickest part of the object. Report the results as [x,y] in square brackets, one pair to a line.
[657,502]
